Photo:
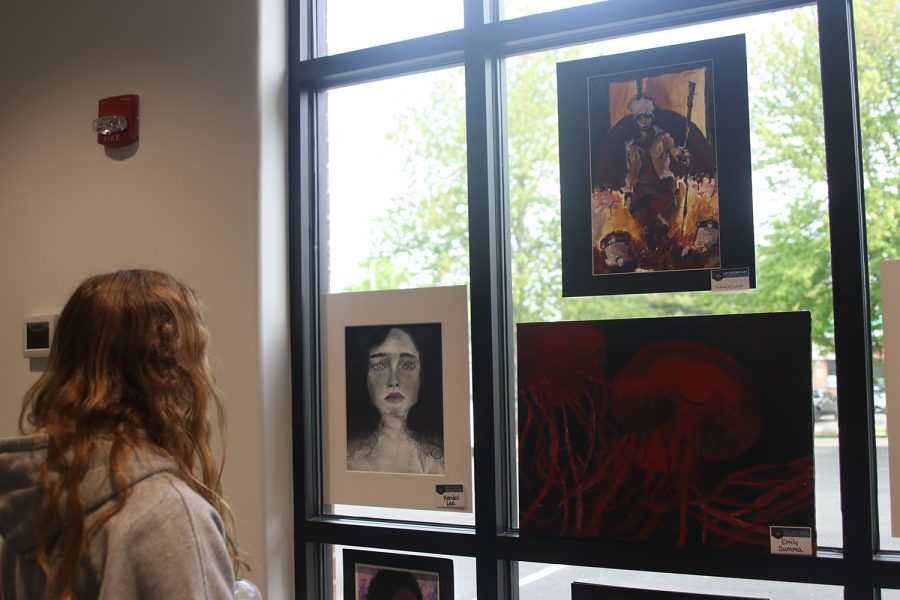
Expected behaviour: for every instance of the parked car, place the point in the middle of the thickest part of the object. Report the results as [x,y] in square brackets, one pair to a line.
[824,403]
[879,399]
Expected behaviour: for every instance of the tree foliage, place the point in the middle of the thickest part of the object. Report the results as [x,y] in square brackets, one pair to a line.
[424,234]
[426,239]
[877,23]
[794,259]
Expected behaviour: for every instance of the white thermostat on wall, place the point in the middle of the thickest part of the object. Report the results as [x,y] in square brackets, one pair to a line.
[37,333]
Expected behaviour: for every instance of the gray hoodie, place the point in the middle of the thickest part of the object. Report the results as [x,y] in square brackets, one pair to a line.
[166,543]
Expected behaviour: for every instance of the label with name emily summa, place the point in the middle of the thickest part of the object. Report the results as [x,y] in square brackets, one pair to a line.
[791,540]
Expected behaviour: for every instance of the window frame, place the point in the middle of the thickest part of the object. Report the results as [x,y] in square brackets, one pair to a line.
[480,48]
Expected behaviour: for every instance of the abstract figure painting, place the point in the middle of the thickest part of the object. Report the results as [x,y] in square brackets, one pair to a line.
[654,179]
[645,157]
[683,431]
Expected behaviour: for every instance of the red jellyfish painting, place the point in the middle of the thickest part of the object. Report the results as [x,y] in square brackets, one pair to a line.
[687,413]
[560,368]
[645,431]
[679,403]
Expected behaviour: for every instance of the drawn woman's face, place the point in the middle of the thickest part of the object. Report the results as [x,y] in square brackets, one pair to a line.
[394,374]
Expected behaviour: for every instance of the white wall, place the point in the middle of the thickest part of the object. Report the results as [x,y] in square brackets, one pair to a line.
[203,197]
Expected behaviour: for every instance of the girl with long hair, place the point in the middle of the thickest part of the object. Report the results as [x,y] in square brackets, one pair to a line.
[112,492]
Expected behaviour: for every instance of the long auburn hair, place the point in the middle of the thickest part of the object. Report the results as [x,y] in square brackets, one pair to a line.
[128,364]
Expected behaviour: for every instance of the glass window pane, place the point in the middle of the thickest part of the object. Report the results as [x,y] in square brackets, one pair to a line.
[521,8]
[876,24]
[351,25]
[397,207]
[546,582]
[396,197]
[789,203]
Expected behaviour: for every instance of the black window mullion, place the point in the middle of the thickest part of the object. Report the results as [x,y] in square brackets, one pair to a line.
[489,296]
[489,307]
[850,292]
[303,274]
[305,28]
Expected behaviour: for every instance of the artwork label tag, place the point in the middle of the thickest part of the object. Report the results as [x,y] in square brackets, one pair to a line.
[791,540]
[729,280]
[450,496]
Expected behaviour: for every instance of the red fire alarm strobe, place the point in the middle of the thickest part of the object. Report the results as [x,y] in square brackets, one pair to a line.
[117,121]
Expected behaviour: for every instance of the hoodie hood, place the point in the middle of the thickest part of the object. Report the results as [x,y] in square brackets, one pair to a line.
[23,498]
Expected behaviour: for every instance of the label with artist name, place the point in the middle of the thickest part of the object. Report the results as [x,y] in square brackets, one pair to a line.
[729,280]
[450,496]
[791,540]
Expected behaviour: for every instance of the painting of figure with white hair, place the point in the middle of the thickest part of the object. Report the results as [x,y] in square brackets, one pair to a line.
[653,150]
[655,176]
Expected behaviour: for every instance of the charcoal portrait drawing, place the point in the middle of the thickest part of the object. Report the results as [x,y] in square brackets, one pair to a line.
[394,398]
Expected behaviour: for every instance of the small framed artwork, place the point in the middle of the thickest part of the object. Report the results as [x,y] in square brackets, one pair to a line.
[396,399]
[593,591]
[655,174]
[385,576]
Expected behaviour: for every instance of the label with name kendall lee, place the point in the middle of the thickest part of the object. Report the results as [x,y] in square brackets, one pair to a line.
[450,496]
